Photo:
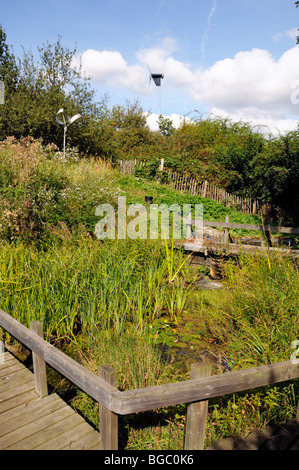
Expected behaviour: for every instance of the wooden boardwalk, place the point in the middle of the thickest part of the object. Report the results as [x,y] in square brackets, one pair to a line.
[28,422]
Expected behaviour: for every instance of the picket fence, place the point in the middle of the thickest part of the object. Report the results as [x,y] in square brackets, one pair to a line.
[204,189]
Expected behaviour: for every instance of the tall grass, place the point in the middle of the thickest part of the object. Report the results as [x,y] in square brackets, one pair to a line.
[102,298]
[86,285]
[256,316]
[52,269]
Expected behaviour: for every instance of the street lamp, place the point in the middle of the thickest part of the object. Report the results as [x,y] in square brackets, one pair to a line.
[65,124]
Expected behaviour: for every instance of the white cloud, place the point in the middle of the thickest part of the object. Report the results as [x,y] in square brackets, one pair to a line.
[152,120]
[205,38]
[291,33]
[251,78]
[102,65]
[263,121]
[109,67]
[253,84]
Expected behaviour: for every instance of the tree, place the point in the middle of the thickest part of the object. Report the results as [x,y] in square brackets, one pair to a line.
[8,66]
[275,171]
[165,126]
[124,132]
[41,89]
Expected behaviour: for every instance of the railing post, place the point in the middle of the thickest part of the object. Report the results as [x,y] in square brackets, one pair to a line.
[267,233]
[108,419]
[39,365]
[2,352]
[197,413]
[226,230]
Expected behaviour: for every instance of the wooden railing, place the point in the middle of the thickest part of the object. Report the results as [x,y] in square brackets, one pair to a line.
[224,236]
[103,388]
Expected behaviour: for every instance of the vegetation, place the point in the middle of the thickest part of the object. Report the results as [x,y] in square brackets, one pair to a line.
[135,304]
[231,155]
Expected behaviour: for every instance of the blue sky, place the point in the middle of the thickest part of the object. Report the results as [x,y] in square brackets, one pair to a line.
[232,58]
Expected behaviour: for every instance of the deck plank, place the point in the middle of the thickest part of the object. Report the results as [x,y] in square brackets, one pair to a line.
[29,422]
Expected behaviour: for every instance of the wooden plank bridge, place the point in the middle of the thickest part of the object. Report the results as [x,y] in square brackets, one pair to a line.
[28,422]
[222,243]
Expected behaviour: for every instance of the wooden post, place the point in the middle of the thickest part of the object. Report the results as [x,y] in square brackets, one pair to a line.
[204,193]
[197,413]
[226,230]
[39,365]
[108,420]
[267,233]
[161,164]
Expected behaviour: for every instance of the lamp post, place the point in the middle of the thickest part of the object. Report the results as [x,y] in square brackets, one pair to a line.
[65,123]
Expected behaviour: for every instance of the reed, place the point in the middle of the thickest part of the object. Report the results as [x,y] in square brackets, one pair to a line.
[89,284]
[255,316]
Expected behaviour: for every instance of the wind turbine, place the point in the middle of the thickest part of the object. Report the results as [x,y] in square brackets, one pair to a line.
[64,123]
[156,77]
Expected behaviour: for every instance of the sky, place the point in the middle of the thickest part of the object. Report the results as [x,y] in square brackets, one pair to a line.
[236,59]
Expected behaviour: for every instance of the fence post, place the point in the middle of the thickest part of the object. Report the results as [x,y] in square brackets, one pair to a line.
[204,192]
[197,412]
[108,419]
[254,211]
[39,365]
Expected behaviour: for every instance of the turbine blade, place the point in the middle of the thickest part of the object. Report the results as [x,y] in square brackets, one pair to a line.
[77,116]
[60,122]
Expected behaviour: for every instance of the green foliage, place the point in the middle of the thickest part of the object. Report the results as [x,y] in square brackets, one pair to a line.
[276,171]
[240,414]
[235,157]
[8,65]
[40,89]
[112,293]
[257,313]
[165,126]
[231,155]
[133,304]
[125,132]
[38,191]
[149,169]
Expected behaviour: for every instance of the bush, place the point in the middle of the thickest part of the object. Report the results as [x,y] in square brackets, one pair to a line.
[38,190]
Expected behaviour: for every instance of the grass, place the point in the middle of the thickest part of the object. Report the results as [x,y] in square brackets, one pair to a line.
[88,283]
[134,303]
[256,314]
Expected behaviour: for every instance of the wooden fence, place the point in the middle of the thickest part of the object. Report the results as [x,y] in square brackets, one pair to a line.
[264,227]
[204,188]
[103,388]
